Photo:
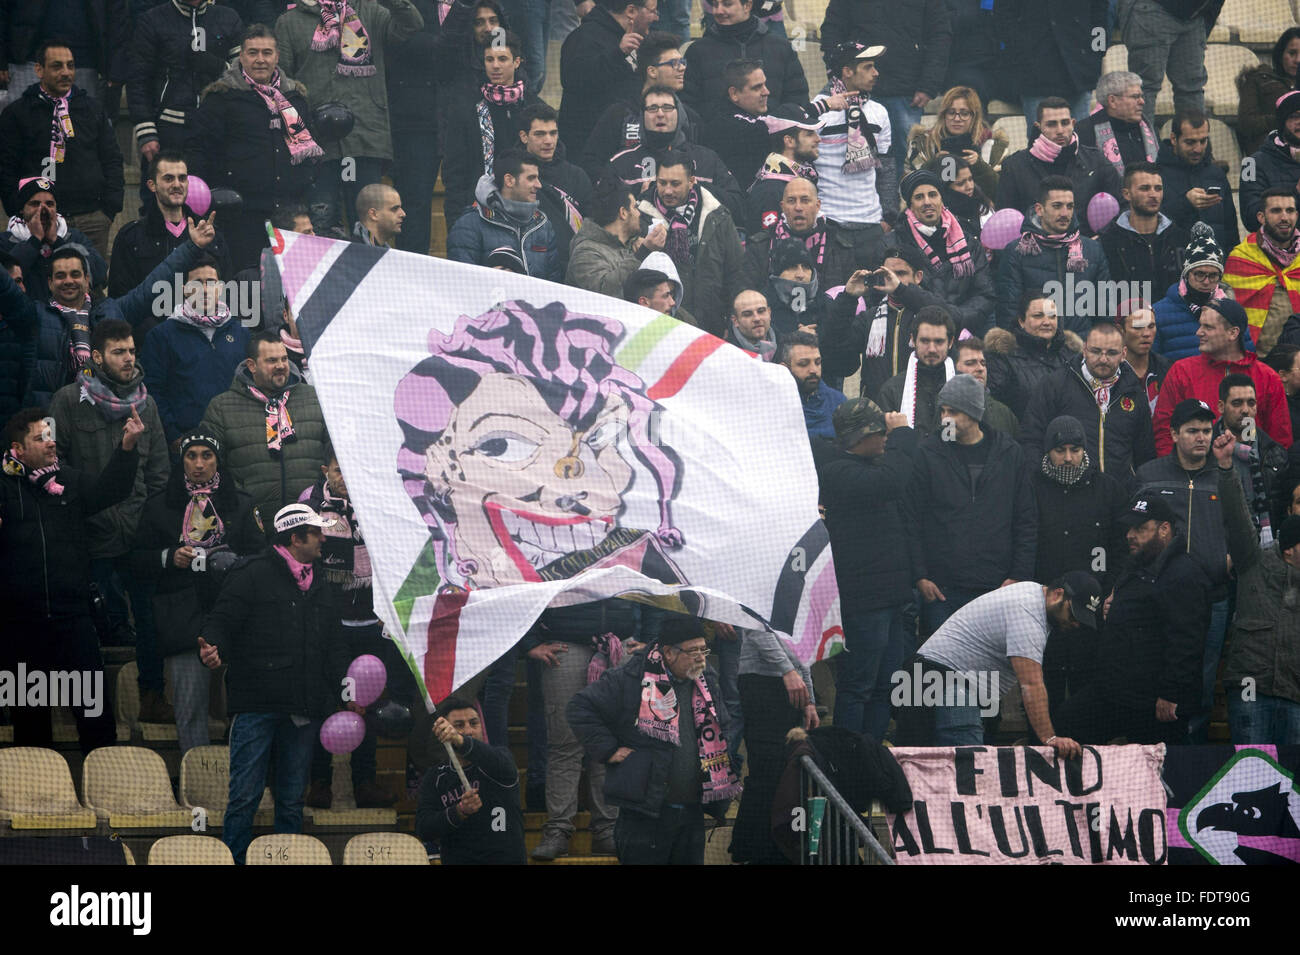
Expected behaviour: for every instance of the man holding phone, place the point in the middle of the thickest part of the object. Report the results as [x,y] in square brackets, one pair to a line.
[1196,189]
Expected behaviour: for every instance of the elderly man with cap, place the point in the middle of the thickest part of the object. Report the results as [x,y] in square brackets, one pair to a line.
[983,650]
[1148,678]
[1225,347]
[863,478]
[1265,650]
[969,509]
[190,534]
[277,624]
[958,270]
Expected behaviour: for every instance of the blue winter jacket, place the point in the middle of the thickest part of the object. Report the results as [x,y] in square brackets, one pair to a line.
[486,227]
[184,371]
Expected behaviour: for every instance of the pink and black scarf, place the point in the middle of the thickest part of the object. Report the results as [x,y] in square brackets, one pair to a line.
[45,478]
[343,555]
[296,136]
[78,323]
[202,525]
[279,426]
[302,573]
[341,28]
[1109,145]
[658,718]
[113,402]
[60,126]
[1282,255]
[494,95]
[860,152]
[1031,243]
[957,253]
[1100,386]
[681,222]
[192,316]
[814,241]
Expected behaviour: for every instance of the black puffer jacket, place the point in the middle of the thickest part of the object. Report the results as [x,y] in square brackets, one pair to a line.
[707,58]
[603,717]
[286,648]
[44,552]
[233,144]
[1274,166]
[969,299]
[594,73]
[23,27]
[167,75]
[917,37]
[863,500]
[1084,166]
[972,537]
[1017,360]
[90,176]
[1074,521]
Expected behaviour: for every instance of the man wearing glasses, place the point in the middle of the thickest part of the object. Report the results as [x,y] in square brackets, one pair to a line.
[1106,397]
[1118,128]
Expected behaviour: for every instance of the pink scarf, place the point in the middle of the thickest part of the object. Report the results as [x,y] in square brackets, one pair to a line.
[1100,387]
[814,241]
[202,526]
[296,137]
[302,573]
[45,478]
[78,321]
[1031,244]
[279,426]
[958,255]
[681,221]
[658,717]
[341,27]
[60,127]
[192,316]
[860,151]
[1283,255]
[1046,150]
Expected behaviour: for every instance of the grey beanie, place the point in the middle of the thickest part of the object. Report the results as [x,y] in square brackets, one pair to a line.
[964,393]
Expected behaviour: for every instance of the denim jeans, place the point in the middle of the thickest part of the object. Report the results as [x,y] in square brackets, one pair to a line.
[873,644]
[958,726]
[1078,109]
[253,738]
[902,117]
[1199,725]
[934,614]
[332,199]
[530,20]
[1263,720]
[116,581]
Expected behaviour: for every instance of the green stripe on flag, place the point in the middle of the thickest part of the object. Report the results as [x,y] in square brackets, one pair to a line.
[643,342]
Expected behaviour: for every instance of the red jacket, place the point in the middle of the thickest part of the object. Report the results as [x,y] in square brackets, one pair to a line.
[1199,377]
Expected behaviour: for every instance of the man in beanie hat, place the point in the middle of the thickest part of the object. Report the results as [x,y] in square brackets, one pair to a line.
[37,230]
[1275,162]
[1266,643]
[958,266]
[1264,270]
[277,624]
[973,526]
[1225,347]
[1176,313]
[863,477]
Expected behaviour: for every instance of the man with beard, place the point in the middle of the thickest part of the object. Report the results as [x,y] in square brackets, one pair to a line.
[1055,152]
[610,247]
[1264,270]
[914,392]
[1143,244]
[88,415]
[1274,163]
[803,356]
[662,134]
[793,142]
[1260,461]
[1196,189]
[565,187]
[1148,681]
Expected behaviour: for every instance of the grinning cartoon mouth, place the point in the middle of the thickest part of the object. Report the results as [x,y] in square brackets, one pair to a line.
[534,540]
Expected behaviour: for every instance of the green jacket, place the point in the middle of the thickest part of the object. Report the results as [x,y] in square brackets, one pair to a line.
[366,96]
[1265,645]
[238,421]
[86,440]
[598,262]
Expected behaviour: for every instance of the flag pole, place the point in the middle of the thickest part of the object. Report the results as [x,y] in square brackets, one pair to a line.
[460,770]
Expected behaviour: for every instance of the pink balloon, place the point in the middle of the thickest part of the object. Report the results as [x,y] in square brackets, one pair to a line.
[370,677]
[199,196]
[342,732]
[1101,210]
[1002,229]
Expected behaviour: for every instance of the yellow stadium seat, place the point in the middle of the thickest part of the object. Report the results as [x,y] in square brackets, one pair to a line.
[385,848]
[205,784]
[287,849]
[36,791]
[129,787]
[190,850]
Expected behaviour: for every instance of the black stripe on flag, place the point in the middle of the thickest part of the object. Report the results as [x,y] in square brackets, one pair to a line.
[335,288]
[790,585]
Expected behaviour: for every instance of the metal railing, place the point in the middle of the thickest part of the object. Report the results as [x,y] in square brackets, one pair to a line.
[833,833]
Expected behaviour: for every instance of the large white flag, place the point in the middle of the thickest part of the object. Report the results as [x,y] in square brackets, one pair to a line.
[512,444]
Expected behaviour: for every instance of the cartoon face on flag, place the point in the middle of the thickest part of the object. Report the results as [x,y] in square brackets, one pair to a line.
[511,445]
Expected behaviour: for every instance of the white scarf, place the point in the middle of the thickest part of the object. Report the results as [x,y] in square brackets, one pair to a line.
[18,228]
[909,386]
[879,331]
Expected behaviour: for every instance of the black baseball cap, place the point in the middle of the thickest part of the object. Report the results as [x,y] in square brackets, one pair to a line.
[1190,409]
[1148,507]
[1084,594]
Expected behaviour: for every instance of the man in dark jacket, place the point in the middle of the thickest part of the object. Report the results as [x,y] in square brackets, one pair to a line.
[277,625]
[506,214]
[1139,326]
[1147,683]
[485,825]
[659,725]
[1036,346]
[793,145]
[415,104]
[1196,189]
[863,478]
[1104,395]
[1274,163]
[17,327]
[98,31]
[801,218]
[1055,152]
[1053,258]
[802,355]
[973,524]
[83,156]
[44,563]
[565,187]
[597,63]
[1050,51]
[1118,129]
[1143,246]
[736,34]
[914,392]
[470,25]
[1261,462]
[39,232]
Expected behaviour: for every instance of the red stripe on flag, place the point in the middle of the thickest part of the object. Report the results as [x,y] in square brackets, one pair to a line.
[683,366]
[440,652]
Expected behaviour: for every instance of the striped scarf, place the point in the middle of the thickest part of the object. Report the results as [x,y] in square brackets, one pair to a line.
[681,223]
[814,241]
[114,401]
[60,127]
[1100,386]
[956,252]
[1031,243]
[341,27]
[494,95]
[202,525]
[860,152]
[296,136]
[279,426]
[45,478]
[78,322]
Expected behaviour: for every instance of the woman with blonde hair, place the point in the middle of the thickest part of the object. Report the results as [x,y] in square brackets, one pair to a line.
[960,132]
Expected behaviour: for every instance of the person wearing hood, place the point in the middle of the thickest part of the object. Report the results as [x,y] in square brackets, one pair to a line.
[252,135]
[190,532]
[656,285]
[803,356]
[659,62]
[1259,88]
[914,392]
[598,63]
[1116,126]
[794,293]
[565,187]
[1037,345]
[958,265]
[751,325]
[701,240]
[270,425]
[1275,162]
[736,34]
[507,213]
[1052,249]
[1143,244]
[478,129]
[1201,282]
[1055,152]
[190,357]
[661,135]
[793,144]
[88,416]
[1196,189]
